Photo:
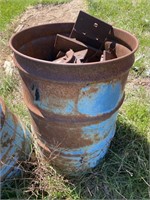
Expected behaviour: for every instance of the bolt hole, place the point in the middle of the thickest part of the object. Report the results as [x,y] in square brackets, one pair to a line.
[37,95]
[95,25]
[97,39]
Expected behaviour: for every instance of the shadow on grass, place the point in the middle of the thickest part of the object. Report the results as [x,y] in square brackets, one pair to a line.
[121,175]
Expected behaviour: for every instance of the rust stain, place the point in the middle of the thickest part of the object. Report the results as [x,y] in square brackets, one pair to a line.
[84,119]
[52,134]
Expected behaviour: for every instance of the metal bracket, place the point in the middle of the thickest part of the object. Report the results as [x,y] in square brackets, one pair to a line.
[90,30]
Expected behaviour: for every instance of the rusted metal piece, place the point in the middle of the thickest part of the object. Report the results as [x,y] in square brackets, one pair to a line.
[110,51]
[71,57]
[95,57]
[15,143]
[63,43]
[117,50]
[108,55]
[90,30]
[73,106]
[68,58]
[81,55]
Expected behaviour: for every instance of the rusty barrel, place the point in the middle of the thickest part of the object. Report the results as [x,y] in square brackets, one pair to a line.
[73,106]
[15,143]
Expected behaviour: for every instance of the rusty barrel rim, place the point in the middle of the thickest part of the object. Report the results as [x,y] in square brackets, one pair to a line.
[11,41]
[47,70]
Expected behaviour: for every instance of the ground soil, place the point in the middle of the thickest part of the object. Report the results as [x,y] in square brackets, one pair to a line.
[43,14]
[37,15]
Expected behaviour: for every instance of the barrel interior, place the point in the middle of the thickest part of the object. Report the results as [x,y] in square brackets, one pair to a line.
[37,42]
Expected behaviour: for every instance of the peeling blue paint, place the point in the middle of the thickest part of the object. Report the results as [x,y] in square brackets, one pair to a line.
[93,100]
[99,98]
[15,144]
[90,148]
[8,166]
[57,106]
[100,129]
[91,155]
[16,172]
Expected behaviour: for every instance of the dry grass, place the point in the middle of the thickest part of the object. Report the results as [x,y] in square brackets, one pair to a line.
[38,180]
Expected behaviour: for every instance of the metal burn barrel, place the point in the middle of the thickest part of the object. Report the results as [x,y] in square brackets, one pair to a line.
[73,106]
[15,143]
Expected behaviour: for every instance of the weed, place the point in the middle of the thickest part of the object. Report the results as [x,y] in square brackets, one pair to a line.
[38,180]
[10,92]
[136,109]
[8,85]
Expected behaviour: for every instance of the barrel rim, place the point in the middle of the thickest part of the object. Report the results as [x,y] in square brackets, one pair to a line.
[71,64]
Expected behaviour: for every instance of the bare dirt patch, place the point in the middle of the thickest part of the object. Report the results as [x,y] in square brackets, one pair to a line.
[133,83]
[43,14]
[37,15]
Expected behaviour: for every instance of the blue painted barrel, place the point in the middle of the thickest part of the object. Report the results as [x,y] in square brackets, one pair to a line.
[15,143]
[73,107]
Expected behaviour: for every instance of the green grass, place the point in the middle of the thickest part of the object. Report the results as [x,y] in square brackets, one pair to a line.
[124,172]
[9,9]
[130,15]
[11,93]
